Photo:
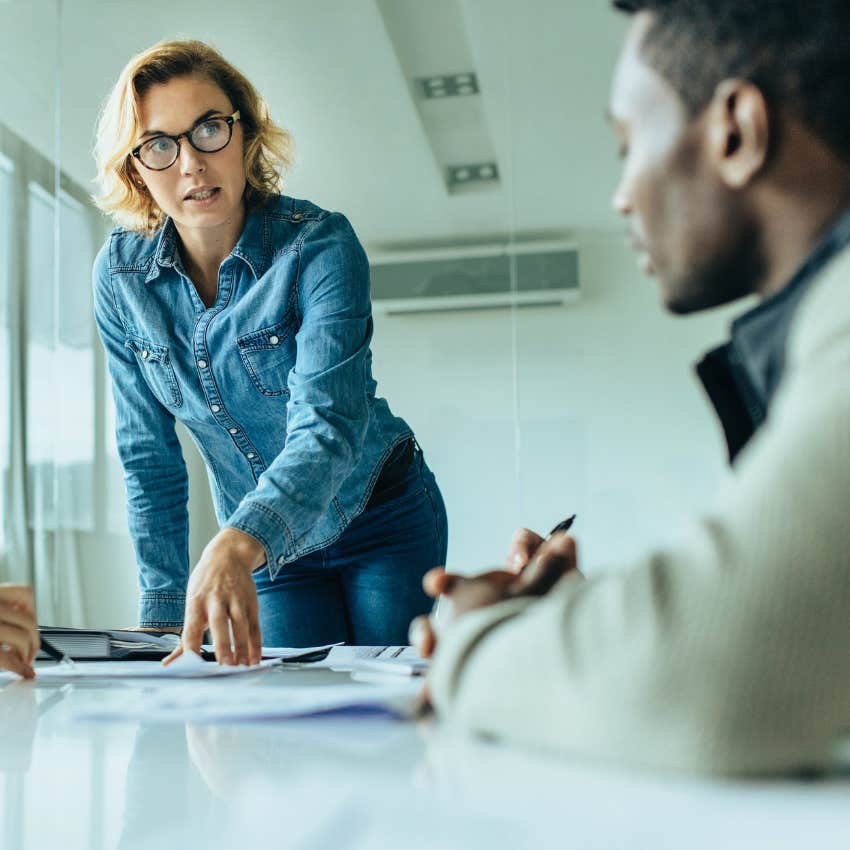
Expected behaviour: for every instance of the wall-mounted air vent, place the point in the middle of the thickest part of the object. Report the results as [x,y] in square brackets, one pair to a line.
[492,275]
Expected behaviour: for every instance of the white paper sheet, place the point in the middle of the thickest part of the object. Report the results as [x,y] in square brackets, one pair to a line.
[187,666]
[284,652]
[217,704]
[347,658]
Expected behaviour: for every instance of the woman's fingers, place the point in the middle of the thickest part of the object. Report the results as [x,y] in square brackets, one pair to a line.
[220,633]
[193,631]
[241,636]
[255,639]
[173,656]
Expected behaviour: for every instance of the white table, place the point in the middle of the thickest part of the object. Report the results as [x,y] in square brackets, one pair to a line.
[352,783]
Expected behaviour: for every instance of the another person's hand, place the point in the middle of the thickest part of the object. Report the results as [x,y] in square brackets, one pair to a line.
[221,595]
[19,637]
[551,560]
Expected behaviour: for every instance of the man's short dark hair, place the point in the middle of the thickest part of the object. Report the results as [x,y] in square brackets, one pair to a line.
[796,51]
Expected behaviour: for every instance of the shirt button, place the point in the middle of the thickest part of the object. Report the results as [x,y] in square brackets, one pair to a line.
[233,430]
[296,217]
[202,364]
[274,340]
[145,354]
[280,560]
[250,455]
[215,408]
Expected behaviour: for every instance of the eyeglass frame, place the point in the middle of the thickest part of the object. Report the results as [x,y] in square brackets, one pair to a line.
[230,120]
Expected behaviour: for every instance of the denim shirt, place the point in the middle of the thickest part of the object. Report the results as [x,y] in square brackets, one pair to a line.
[273,382]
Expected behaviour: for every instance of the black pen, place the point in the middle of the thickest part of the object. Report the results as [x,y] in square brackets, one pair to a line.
[563,525]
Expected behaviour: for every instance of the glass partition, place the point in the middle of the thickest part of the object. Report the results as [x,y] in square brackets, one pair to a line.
[466,142]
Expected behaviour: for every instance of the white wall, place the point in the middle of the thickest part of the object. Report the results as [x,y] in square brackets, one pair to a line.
[613,424]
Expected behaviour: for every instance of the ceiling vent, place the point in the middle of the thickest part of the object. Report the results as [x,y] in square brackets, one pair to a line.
[432,45]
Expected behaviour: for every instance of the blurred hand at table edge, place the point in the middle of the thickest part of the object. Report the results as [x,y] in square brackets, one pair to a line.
[19,637]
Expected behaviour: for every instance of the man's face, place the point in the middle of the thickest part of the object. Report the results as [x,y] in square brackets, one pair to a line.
[688,228]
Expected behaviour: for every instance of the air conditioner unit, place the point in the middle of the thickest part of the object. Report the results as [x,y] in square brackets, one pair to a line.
[475,277]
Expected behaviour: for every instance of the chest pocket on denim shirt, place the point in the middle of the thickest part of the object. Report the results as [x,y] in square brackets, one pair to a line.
[268,355]
[155,365]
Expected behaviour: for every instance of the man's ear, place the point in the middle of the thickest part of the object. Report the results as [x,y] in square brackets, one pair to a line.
[738,132]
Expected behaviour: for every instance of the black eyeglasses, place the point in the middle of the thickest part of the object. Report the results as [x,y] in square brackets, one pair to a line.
[211,135]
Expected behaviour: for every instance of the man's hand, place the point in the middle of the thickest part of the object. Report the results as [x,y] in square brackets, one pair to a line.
[551,560]
[524,544]
[221,594]
[19,637]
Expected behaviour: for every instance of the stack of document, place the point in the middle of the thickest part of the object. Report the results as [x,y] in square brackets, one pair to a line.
[126,645]
[108,645]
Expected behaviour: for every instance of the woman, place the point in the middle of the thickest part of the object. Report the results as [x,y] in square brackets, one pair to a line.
[245,314]
[19,639]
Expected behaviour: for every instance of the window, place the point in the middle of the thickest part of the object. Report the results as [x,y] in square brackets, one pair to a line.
[6,173]
[60,368]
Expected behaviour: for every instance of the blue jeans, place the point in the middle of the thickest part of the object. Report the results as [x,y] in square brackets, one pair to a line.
[367,587]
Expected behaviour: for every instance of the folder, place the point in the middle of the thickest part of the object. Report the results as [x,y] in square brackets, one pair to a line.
[109,645]
[125,645]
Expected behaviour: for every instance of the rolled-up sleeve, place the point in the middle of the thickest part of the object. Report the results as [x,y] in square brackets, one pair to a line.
[154,470]
[328,409]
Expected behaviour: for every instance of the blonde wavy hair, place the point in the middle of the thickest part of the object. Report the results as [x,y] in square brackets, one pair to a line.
[268,149]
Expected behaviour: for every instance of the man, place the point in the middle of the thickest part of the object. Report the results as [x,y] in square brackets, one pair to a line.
[730,651]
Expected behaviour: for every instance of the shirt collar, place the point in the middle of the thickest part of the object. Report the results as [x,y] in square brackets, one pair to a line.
[760,336]
[252,247]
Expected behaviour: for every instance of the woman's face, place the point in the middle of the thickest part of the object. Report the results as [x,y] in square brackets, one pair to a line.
[182,191]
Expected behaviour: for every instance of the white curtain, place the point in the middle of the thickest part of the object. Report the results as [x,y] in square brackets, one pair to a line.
[48,451]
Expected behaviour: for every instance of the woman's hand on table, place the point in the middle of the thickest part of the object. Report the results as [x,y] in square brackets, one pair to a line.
[19,637]
[221,596]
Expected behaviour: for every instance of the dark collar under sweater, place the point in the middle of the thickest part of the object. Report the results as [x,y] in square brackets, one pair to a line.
[742,376]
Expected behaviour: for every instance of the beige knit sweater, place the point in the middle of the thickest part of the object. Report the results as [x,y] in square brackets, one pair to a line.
[728,653]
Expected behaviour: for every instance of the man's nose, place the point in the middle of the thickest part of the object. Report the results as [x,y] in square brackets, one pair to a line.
[621,200]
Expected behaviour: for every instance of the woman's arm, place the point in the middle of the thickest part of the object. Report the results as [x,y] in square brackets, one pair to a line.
[154,470]
[328,410]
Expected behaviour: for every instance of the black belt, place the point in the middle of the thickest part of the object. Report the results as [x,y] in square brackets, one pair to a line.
[390,483]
